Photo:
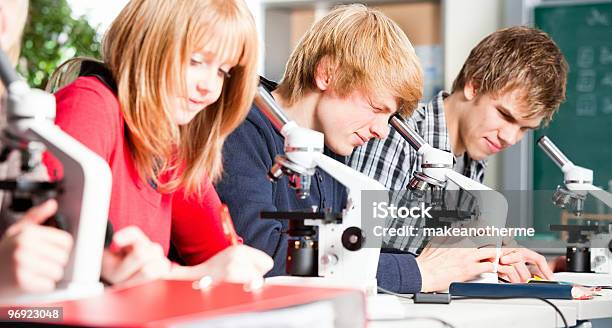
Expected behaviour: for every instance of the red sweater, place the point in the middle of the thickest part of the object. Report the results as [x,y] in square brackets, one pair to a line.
[90,112]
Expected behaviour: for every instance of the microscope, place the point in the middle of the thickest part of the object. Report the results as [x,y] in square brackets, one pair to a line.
[83,194]
[325,247]
[437,171]
[589,249]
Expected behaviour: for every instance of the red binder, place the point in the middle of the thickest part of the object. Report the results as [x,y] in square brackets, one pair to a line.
[166,303]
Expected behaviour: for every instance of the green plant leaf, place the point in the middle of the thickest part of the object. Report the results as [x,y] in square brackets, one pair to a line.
[50,36]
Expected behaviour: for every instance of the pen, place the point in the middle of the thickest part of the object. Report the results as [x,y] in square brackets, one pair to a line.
[497,257]
[231,236]
[228,226]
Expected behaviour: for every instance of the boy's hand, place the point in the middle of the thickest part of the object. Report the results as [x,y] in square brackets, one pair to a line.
[441,266]
[32,256]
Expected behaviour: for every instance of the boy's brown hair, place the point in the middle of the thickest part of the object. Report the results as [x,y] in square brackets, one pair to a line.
[367,52]
[518,57]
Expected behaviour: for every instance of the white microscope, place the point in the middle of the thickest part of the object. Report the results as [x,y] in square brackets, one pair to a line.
[437,170]
[83,194]
[341,258]
[589,250]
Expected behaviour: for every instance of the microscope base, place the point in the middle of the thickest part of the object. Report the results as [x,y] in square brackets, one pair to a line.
[584,278]
[369,287]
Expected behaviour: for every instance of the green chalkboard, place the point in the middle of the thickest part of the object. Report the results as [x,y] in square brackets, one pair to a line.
[582,128]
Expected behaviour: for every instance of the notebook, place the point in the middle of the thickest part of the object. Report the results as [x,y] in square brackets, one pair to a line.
[552,291]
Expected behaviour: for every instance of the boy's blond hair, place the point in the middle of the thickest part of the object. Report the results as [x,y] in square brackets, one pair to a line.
[518,57]
[367,52]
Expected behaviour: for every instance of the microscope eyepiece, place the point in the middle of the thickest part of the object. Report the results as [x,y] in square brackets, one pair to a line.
[555,154]
[413,138]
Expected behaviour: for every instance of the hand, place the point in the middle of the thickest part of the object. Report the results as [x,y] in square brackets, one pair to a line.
[238,264]
[441,266]
[32,256]
[133,259]
[520,264]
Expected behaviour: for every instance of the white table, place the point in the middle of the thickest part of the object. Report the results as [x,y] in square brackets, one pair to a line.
[597,308]
[493,313]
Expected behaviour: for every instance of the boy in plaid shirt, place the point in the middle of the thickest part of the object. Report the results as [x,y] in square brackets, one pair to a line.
[513,81]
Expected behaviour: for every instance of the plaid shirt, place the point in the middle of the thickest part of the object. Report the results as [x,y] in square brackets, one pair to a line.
[392,161]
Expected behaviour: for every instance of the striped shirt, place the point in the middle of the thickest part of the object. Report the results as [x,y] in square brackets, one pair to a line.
[392,161]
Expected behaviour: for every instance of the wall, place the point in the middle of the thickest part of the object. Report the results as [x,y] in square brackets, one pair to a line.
[465,23]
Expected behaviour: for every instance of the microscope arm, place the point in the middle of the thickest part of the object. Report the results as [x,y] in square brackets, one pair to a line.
[84,201]
[464,182]
[493,207]
[600,194]
[353,181]
[86,186]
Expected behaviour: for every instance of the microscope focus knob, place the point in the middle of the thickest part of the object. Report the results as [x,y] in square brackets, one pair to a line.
[276,171]
[353,238]
[330,259]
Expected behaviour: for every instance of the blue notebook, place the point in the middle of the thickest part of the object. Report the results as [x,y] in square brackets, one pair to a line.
[555,291]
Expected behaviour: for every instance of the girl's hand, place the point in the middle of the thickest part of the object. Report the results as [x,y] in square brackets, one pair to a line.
[133,259]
